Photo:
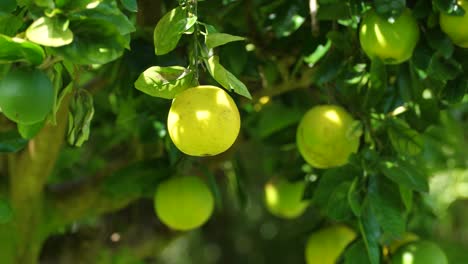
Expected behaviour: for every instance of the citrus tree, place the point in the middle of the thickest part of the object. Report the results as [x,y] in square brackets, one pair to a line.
[233,131]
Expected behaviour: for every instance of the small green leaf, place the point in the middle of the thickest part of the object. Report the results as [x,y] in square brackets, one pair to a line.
[11,141]
[81,112]
[407,197]
[6,213]
[370,231]
[355,198]
[170,28]
[165,82]
[390,8]
[356,253]
[130,5]
[338,207]
[10,24]
[17,49]
[45,3]
[406,174]
[405,141]
[214,40]
[386,205]
[7,6]
[51,32]
[318,53]
[225,78]
[443,69]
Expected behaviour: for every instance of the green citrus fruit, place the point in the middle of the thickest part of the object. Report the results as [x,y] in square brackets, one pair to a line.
[420,252]
[326,245]
[327,135]
[456,26]
[203,121]
[284,198]
[392,43]
[30,131]
[26,96]
[183,203]
[407,238]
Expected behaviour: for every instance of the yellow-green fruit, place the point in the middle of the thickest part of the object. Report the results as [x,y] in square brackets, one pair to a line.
[420,252]
[284,198]
[393,43]
[456,27]
[26,96]
[326,245]
[183,203]
[327,135]
[407,238]
[203,121]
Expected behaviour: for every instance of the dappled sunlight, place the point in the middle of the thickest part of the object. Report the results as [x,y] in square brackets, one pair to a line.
[333,116]
[380,37]
[408,258]
[445,188]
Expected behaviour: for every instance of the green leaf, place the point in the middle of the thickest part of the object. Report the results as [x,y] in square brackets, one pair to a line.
[390,8]
[370,232]
[30,131]
[108,12]
[378,75]
[81,112]
[17,49]
[95,42]
[338,207]
[405,173]
[455,90]
[443,69]
[7,6]
[274,117]
[291,22]
[440,42]
[356,253]
[6,213]
[45,3]
[355,197]
[11,141]
[10,24]
[165,82]
[52,32]
[318,53]
[213,40]
[407,197]
[405,141]
[170,28]
[130,5]
[225,78]
[385,203]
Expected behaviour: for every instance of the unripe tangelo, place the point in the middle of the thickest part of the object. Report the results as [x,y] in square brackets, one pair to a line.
[327,135]
[183,203]
[456,27]
[284,199]
[393,43]
[26,96]
[203,121]
[420,252]
[326,245]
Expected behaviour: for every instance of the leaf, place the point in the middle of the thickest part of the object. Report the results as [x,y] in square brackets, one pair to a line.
[11,141]
[455,90]
[440,42]
[95,42]
[370,232]
[165,82]
[130,5]
[170,28]
[329,181]
[213,40]
[390,8]
[378,75]
[17,49]
[225,78]
[275,117]
[9,24]
[354,197]
[356,253]
[81,112]
[385,203]
[443,69]
[291,22]
[407,197]
[108,12]
[6,212]
[405,173]
[318,53]
[7,6]
[50,32]
[405,141]
[338,207]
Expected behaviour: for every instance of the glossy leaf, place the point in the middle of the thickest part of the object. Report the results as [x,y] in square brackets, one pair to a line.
[370,231]
[17,49]
[170,28]
[405,173]
[226,78]
[165,82]
[214,40]
[50,32]
[7,6]
[130,5]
